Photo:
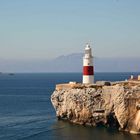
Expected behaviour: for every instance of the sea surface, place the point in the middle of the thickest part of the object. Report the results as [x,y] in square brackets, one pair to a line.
[26,112]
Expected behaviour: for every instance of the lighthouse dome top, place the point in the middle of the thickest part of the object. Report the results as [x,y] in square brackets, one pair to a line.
[87,47]
[88,51]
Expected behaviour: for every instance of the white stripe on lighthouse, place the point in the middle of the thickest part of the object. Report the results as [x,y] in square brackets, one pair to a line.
[88,79]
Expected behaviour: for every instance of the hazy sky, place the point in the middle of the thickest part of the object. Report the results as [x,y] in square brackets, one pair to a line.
[44,29]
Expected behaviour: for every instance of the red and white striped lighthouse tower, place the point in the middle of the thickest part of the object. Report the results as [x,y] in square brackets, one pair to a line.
[88,69]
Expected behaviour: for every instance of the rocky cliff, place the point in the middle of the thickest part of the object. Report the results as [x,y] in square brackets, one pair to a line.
[111,104]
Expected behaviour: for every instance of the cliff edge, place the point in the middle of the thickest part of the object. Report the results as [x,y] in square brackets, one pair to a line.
[111,104]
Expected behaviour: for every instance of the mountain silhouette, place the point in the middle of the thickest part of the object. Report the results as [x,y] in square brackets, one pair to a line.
[71,63]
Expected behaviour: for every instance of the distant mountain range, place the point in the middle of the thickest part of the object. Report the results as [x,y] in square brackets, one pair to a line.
[71,63]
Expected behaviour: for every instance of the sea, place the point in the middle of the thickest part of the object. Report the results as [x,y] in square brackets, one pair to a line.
[26,112]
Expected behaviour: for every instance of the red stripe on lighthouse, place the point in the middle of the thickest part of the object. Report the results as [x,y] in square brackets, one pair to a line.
[88,70]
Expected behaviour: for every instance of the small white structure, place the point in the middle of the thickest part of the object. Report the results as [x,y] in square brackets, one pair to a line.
[132,77]
[72,82]
[138,77]
[88,69]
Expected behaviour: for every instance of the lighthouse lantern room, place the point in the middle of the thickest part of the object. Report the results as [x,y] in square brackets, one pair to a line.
[88,68]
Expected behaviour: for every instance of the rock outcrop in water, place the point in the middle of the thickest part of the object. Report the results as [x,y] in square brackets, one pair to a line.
[111,104]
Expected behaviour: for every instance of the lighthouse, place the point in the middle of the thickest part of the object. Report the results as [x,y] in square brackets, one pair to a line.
[88,69]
